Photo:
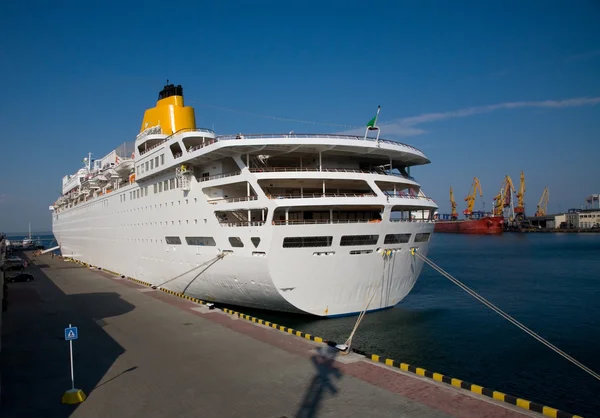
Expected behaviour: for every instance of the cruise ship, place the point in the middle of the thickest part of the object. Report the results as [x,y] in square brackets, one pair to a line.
[315,224]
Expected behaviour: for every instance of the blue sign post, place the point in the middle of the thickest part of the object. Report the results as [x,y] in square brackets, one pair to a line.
[72,396]
[71,333]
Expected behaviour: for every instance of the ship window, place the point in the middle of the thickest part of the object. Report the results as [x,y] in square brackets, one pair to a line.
[146,191]
[146,165]
[156,162]
[236,242]
[422,237]
[176,150]
[151,164]
[359,240]
[166,182]
[396,238]
[137,193]
[173,240]
[297,242]
[172,181]
[162,159]
[160,187]
[255,241]
[155,189]
[202,241]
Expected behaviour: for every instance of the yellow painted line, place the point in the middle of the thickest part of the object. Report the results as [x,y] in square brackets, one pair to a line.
[550,412]
[420,371]
[404,366]
[374,357]
[318,339]
[299,333]
[307,336]
[477,389]
[389,362]
[290,331]
[438,377]
[456,382]
[523,403]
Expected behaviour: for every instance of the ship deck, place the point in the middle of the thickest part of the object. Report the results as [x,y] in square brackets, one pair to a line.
[143,352]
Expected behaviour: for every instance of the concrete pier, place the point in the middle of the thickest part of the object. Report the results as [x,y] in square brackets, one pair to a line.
[145,353]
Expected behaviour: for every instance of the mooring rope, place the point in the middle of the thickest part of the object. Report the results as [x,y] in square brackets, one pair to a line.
[218,257]
[505,315]
[345,348]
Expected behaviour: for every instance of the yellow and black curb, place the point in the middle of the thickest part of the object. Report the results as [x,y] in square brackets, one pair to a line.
[461,384]
[178,294]
[438,377]
[135,280]
[276,326]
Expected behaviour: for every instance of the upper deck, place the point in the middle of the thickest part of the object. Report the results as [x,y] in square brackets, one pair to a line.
[349,145]
[200,145]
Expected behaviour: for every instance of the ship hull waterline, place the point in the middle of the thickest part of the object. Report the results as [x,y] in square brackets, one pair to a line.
[489,225]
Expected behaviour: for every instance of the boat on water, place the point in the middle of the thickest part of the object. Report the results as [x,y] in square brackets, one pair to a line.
[28,242]
[475,222]
[481,223]
[306,223]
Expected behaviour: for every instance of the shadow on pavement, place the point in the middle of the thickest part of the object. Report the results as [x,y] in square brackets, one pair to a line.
[35,356]
[322,383]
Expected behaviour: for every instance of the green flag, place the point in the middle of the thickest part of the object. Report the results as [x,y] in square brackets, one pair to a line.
[373,121]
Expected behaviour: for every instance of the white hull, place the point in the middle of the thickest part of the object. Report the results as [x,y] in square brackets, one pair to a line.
[304,223]
[132,242]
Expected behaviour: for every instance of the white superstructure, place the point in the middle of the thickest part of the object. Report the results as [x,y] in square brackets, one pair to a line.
[300,223]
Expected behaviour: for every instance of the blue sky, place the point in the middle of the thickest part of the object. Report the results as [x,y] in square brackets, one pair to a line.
[483,88]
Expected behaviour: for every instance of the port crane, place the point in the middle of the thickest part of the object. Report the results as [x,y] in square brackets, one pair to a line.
[503,202]
[542,206]
[520,208]
[499,203]
[454,215]
[470,199]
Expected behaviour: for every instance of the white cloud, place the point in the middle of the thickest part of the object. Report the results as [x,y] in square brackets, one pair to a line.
[407,126]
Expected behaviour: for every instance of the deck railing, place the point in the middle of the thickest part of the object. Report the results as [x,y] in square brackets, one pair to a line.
[221,176]
[202,145]
[407,196]
[318,195]
[203,130]
[158,144]
[324,170]
[232,199]
[325,221]
[412,220]
[315,136]
[241,224]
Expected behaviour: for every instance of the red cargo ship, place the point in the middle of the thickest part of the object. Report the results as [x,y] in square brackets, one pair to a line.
[477,222]
[491,225]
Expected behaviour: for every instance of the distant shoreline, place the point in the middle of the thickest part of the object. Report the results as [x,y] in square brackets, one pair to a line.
[556,231]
